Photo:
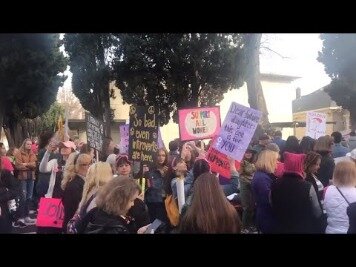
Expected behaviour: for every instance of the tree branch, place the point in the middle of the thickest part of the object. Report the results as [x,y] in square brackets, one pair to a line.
[265,47]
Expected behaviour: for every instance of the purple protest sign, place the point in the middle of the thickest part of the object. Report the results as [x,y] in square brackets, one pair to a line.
[124,139]
[237,130]
[160,141]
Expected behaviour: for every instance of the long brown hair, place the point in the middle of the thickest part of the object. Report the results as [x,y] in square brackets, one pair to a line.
[310,160]
[210,211]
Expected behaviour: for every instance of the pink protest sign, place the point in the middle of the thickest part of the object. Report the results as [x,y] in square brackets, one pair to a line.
[199,123]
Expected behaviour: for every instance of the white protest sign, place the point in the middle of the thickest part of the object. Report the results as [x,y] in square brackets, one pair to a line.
[237,130]
[316,124]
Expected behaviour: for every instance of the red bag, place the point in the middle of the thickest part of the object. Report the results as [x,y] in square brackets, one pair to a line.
[50,213]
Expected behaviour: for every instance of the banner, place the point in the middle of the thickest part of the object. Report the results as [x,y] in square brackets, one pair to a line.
[199,123]
[124,139]
[237,130]
[316,124]
[95,132]
[143,134]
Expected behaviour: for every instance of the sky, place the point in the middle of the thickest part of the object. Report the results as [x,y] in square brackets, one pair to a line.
[301,52]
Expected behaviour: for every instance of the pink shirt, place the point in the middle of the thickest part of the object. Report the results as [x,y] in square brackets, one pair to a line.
[6,164]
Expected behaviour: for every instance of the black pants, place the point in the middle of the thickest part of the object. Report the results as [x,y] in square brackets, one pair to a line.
[157,210]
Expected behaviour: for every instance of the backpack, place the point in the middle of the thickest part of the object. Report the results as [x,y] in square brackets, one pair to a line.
[172,210]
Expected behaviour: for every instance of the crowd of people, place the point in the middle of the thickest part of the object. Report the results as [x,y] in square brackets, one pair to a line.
[291,186]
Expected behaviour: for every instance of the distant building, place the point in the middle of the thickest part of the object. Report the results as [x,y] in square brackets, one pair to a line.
[338,119]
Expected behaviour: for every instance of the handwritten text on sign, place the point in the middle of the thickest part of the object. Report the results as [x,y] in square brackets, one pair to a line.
[95,132]
[237,130]
[316,124]
[143,134]
[199,123]
[124,139]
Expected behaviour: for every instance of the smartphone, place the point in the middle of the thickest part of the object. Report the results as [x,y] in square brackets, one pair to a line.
[153,226]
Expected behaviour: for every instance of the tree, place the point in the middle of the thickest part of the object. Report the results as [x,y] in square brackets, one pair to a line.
[173,71]
[256,97]
[339,58]
[90,57]
[30,68]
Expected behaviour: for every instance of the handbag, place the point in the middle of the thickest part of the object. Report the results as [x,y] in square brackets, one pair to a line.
[50,213]
[172,210]
[51,210]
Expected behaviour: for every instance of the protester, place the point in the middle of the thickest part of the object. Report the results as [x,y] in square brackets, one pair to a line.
[323,147]
[338,150]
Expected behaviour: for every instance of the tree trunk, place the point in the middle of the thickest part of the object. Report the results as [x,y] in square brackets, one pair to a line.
[9,138]
[16,133]
[254,88]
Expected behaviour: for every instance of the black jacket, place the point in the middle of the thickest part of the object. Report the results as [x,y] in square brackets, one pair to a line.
[292,205]
[351,212]
[326,170]
[71,198]
[101,222]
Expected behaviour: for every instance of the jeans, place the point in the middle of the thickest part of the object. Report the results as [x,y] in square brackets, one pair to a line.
[27,192]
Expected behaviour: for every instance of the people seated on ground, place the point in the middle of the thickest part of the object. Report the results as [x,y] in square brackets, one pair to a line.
[338,196]
[323,147]
[338,150]
[209,212]
[294,201]
[261,188]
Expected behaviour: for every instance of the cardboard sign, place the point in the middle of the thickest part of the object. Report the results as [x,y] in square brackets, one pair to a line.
[219,162]
[237,130]
[124,139]
[50,213]
[95,132]
[199,123]
[316,124]
[143,134]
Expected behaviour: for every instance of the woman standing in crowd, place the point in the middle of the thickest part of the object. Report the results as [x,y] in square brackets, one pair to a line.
[73,187]
[292,146]
[9,190]
[155,194]
[99,174]
[113,202]
[294,200]
[247,169]
[323,146]
[306,145]
[210,212]
[261,188]
[338,197]
[26,165]
[280,166]
[139,211]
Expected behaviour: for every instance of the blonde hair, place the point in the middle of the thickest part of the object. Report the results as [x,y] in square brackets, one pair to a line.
[98,175]
[114,197]
[267,161]
[22,147]
[71,169]
[324,143]
[345,174]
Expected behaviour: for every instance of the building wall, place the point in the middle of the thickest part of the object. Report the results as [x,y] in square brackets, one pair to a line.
[339,116]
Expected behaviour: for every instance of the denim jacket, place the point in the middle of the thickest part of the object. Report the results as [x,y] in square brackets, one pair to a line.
[154,192]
